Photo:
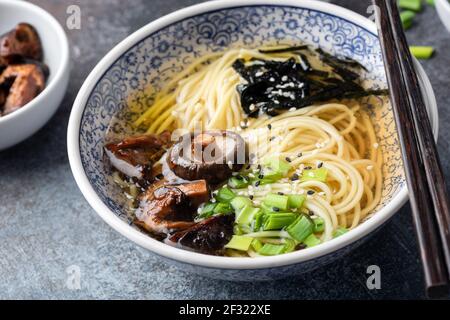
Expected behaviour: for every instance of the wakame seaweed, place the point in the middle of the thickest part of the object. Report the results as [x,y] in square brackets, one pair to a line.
[272,86]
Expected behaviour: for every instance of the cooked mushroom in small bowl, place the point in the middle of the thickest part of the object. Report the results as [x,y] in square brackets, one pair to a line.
[23,74]
[34,63]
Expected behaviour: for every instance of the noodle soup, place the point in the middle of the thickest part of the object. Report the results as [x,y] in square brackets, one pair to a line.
[253,152]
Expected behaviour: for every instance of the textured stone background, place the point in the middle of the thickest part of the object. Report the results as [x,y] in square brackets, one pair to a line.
[47,226]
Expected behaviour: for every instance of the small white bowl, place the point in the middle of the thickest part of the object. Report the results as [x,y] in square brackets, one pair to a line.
[443,10]
[21,124]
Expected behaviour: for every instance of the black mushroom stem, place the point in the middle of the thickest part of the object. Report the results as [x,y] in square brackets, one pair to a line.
[210,155]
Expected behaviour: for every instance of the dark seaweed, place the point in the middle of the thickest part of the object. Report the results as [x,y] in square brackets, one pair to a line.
[274,86]
[282,50]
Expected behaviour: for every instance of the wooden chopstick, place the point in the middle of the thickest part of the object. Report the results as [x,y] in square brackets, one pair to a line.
[425,202]
[433,168]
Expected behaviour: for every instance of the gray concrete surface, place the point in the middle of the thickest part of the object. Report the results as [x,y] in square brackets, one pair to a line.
[46,226]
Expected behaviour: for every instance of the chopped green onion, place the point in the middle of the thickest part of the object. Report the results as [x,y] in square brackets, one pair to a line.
[237,230]
[238,182]
[225,195]
[272,175]
[319,174]
[319,225]
[296,201]
[259,217]
[276,201]
[256,245]
[207,210]
[422,52]
[278,165]
[266,209]
[311,241]
[301,228]
[241,243]
[277,221]
[407,18]
[289,245]
[222,208]
[246,216]
[269,249]
[339,232]
[239,202]
[415,5]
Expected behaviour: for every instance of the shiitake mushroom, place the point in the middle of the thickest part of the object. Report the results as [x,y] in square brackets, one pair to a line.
[24,82]
[23,41]
[134,156]
[22,72]
[210,155]
[208,236]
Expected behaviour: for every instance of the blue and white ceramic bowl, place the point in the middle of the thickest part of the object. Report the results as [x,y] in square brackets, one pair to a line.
[153,54]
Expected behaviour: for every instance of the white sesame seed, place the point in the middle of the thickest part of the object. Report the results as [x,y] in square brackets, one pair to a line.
[376,145]
[252,107]
[292,109]
[284,78]
[369,168]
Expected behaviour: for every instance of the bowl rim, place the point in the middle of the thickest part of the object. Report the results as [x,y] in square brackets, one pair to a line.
[445,4]
[64,53]
[203,260]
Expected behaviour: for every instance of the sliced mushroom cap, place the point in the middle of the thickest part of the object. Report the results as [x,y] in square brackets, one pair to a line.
[135,156]
[22,41]
[167,208]
[25,82]
[208,236]
[211,155]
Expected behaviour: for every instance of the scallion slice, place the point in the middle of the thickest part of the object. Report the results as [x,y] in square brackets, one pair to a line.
[319,225]
[295,201]
[311,241]
[222,208]
[241,243]
[319,174]
[256,245]
[246,215]
[415,5]
[277,221]
[422,52]
[238,182]
[225,195]
[339,232]
[269,249]
[276,201]
[240,202]
[301,228]
[407,18]
[289,246]
[207,210]
[278,165]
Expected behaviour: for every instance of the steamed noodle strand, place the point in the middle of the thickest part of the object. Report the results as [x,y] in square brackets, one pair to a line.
[340,137]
